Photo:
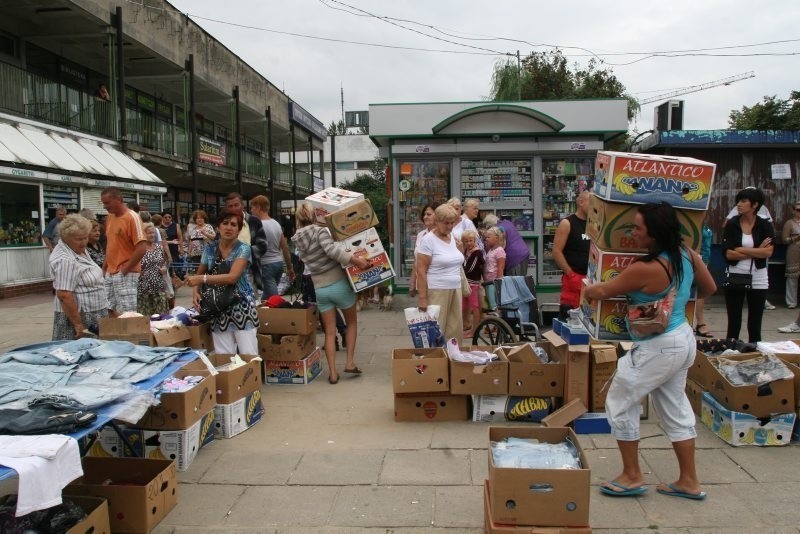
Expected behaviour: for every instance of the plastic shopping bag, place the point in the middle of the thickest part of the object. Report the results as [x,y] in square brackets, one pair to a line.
[424,327]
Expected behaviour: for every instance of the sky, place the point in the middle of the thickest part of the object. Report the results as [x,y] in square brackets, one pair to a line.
[313,72]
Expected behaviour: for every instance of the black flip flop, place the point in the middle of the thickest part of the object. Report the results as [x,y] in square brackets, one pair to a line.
[703,334]
[354,370]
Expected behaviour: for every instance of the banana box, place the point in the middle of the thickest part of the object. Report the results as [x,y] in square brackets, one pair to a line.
[181,446]
[605,265]
[293,372]
[367,245]
[351,220]
[502,408]
[610,225]
[605,319]
[643,178]
[737,428]
[234,418]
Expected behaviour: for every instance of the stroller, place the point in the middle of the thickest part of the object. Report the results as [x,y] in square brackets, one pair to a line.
[517,316]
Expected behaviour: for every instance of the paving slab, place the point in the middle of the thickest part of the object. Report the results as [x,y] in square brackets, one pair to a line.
[338,468]
[723,507]
[768,464]
[606,464]
[458,506]
[243,467]
[479,466]
[605,512]
[426,467]
[280,506]
[197,506]
[386,506]
[713,466]
[775,504]
[457,435]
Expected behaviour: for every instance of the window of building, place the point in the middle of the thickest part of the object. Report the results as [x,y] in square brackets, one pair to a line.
[19,215]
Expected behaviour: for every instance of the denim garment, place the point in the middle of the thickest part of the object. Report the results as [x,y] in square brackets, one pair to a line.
[83,396]
[140,353]
[270,276]
[98,371]
[43,353]
[18,380]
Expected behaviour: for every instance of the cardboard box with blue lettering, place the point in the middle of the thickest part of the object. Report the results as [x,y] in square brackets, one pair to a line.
[288,347]
[233,419]
[739,428]
[643,178]
[502,408]
[294,372]
[181,446]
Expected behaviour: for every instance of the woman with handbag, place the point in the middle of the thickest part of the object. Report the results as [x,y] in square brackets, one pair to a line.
[747,242]
[658,363]
[324,259]
[221,289]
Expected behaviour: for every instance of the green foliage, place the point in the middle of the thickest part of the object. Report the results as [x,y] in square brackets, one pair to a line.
[373,186]
[547,76]
[771,114]
[337,128]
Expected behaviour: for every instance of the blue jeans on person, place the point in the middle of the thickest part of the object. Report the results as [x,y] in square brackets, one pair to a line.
[270,276]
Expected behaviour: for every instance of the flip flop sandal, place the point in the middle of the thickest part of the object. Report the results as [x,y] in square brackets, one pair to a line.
[703,334]
[675,492]
[625,491]
[354,370]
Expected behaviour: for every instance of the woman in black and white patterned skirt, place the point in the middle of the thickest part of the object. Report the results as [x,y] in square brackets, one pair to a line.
[152,291]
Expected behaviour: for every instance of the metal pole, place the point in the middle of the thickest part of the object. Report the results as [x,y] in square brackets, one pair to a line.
[311,162]
[322,165]
[190,116]
[294,167]
[123,115]
[272,201]
[333,159]
[237,132]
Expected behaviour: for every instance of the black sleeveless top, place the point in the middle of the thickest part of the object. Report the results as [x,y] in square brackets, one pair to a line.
[576,250]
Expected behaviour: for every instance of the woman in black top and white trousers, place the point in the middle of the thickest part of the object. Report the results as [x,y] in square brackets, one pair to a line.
[747,242]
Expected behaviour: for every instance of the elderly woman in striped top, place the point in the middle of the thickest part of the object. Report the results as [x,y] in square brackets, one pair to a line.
[80,291]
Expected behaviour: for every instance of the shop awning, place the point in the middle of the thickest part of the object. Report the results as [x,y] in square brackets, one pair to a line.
[73,158]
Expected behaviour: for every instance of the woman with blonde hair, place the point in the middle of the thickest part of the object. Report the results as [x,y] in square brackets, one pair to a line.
[439,272]
[199,233]
[77,280]
[323,260]
[151,296]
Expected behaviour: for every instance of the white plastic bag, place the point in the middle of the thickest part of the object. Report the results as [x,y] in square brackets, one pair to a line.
[424,327]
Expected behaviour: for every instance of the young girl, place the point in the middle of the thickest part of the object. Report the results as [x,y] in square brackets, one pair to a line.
[495,241]
[473,268]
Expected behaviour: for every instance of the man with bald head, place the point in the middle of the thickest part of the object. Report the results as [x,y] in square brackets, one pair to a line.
[571,253]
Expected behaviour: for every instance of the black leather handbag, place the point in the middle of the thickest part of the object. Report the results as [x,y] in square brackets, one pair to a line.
[217,299]
[738,281]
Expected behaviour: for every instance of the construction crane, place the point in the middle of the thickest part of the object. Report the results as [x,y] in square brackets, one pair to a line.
[701,87]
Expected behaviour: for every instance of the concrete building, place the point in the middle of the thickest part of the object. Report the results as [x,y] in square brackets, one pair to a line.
[133,94]
[355,154]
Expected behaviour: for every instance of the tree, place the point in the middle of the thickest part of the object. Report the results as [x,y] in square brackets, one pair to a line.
[337,128]
[771,114]
[547,76]
[373,186]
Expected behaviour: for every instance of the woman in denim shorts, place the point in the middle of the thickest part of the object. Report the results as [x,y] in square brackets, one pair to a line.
[657,364]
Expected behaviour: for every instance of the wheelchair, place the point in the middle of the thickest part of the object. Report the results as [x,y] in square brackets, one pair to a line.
[506,323]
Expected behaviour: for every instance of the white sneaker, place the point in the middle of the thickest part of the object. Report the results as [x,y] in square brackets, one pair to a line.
[790,329]
[791,306]
[768,305]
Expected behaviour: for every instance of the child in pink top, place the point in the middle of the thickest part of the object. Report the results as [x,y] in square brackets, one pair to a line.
[495,242]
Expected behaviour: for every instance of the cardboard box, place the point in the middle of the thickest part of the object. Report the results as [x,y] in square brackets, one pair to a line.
[605,319]
[287,320]
[233,419]
[420,370]
[740,429]
[179,411]
[566,414]
[434,407]
[368,245]
[603,364]
[489,379]
[96,520]
[236,383]
[200,337]
[792,361]
[694,392]
[331,200]
[761,401]
[351,220]
[609,225]
[546,497]
[528,376]
[605,265]
[577,374]
[174,336]
[592,423]
[642,178]
[299,372]
[133,329]
[180,446]
[492,527]
[502,408]
[140,492]
[289,348]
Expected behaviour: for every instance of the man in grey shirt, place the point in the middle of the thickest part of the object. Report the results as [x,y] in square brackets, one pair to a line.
[50,236]
[277,257]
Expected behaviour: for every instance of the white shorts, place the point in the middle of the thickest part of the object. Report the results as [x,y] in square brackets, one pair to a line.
[657,366]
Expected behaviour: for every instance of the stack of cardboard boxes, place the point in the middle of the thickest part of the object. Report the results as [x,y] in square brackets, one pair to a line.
[287,342]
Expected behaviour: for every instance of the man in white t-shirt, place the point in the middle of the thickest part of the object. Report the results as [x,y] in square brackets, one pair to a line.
[276,257]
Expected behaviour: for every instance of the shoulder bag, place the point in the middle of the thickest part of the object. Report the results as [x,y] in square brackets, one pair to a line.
[651,318]
[738,281]
[216,299]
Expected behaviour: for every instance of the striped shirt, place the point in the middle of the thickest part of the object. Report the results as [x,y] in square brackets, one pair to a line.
[80,275]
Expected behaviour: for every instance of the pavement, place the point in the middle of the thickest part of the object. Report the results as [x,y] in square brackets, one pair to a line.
[330,458]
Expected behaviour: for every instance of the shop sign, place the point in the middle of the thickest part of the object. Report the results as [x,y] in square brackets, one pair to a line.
[577,146]
[781,171]
[423,149]
[211,151]
[302,117]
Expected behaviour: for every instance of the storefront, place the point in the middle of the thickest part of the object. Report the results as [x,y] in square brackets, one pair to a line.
[524,161]
[41,169]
